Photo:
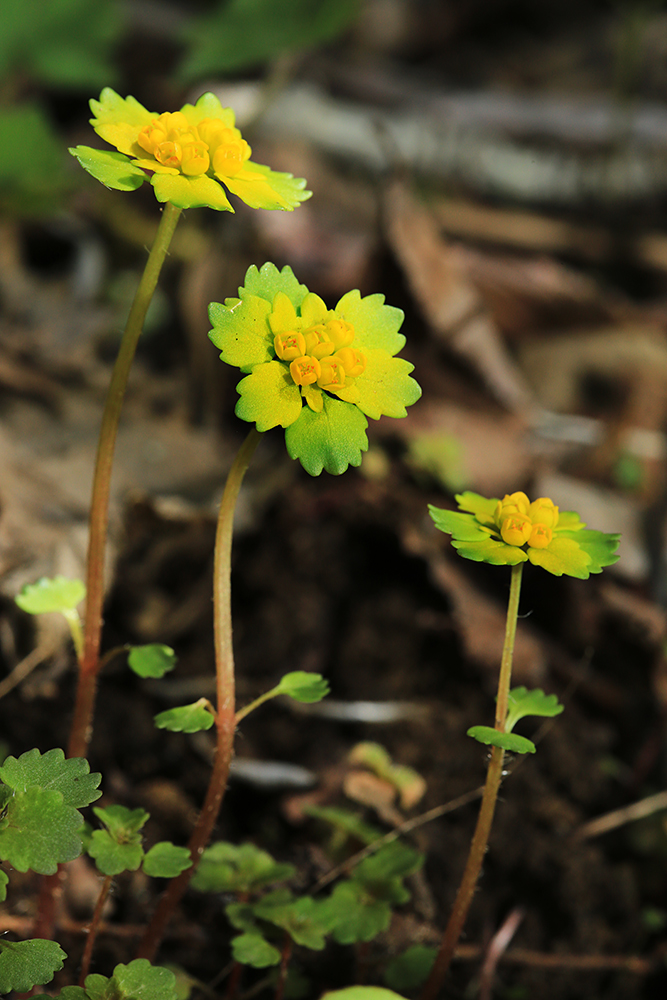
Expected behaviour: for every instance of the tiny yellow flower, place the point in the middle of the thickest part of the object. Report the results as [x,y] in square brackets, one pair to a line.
[187,155]
[514,530]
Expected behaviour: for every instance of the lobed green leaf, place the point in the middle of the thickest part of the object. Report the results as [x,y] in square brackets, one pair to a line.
[300,917]
[38,831]
[385,388]
[351,914]
[411,969]
[303,686]
[241,330]
[253,949]
[331,439]
[269,397]
[153,660]
[507,741]
[51,770]
[113,857]
[24,964]
[187,718]
[523,702]
[166,860]
[109,167]
[57,594]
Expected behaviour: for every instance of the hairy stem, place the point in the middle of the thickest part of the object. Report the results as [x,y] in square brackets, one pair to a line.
[225,715]
[81,730]
[480,838]
[94,927]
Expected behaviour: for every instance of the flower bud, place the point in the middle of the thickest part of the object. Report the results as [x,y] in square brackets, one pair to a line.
[352,360]
[516,529]
[305,370]
[543,511]
[540,536]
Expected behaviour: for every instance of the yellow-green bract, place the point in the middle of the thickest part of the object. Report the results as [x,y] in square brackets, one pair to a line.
[317,372]
[514,530]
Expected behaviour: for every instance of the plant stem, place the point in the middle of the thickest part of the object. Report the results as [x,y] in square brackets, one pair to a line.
[225,717]
[285,956]
[480,838]
[94,927]
[81,730]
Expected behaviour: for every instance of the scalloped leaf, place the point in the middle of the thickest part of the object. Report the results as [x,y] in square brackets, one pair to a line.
[506,741]
[109,167]
[52,770]
[120,821]
[137,981]
[191,192]
[523,702]
[300,917]
[269,397]
[385,388]
[353,915]
[153,660]
[241,331]
[166,860]
[187,718]
[57,594]
[304,687]
[376,325]
[38,831]
[261,187]
[113,857]
[331,439]
[268,281]
[577,553]
[254,950]
[242,868]
[24,964]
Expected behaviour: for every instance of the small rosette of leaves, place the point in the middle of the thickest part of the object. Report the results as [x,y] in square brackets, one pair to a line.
[119,846]
[521,702]
[40,795]
[319,373]
[139,980]
[514,530]
[190,156]
[243,868]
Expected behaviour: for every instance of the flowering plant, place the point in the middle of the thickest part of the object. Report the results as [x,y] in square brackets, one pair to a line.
[188,155]
[514,530]
[315,371]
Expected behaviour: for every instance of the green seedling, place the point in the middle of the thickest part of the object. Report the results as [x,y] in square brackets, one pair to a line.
[128,982]
[58,595]
[510,532]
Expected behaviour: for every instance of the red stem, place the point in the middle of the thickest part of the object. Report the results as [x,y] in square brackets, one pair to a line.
[94,928]
[225,715]
[81,730]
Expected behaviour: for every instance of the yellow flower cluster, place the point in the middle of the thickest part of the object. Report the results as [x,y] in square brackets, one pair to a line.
[521,522]
[320,356]
[178,146]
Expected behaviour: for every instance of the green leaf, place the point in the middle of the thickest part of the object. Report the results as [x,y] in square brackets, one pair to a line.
[393,860]
[242,917]
[303,686]
[352,914]
[523,702]
[269,397]
[122,823]
[331,440]
[268,281]
[376,325]
[52,771]
[38,831]
[112,857]
[411,969]
[166,860]
[109,167]
[507,741]
[345,821]
[300,917]
[72,993]
[4,881]
[154,660]
[245,33]
[241,331]
[385,388]
[242,868]
[58,594]
[254,950]
[24,964]
[577,553]
[362,993]
[191,192]
[186,719]
[137,981]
